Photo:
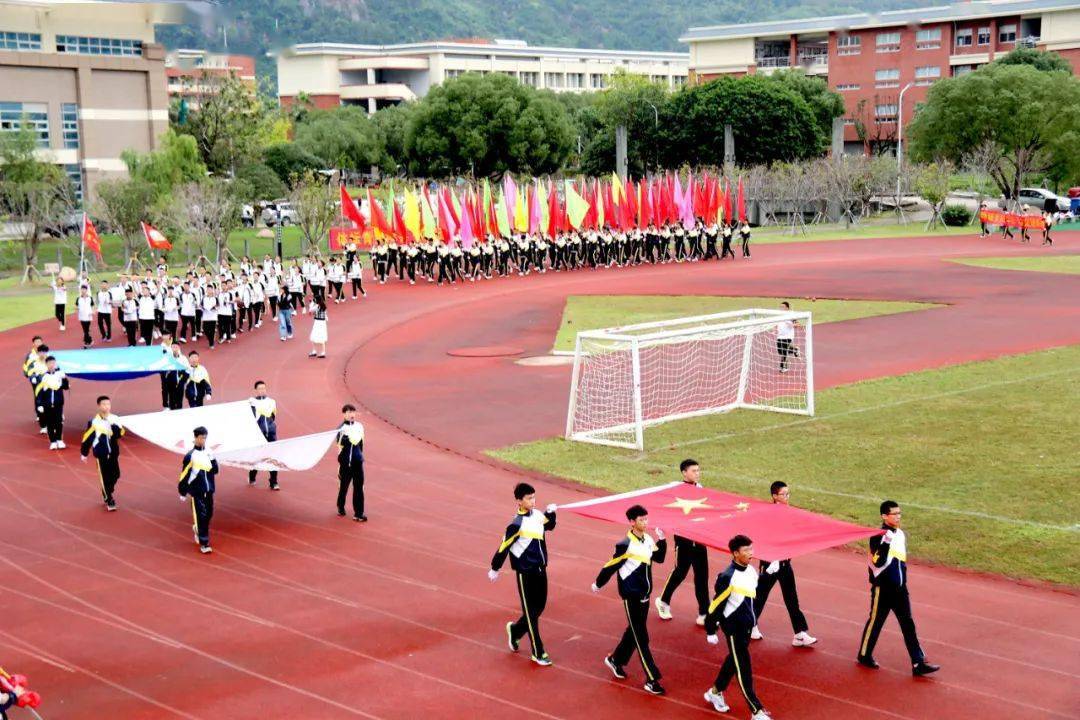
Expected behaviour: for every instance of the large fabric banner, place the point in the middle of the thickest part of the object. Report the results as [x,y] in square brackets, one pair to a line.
[1013,220]
[233,436]
[712,517]
[115,363]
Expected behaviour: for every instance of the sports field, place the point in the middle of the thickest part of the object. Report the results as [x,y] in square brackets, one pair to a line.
[979,454]
[1067,264]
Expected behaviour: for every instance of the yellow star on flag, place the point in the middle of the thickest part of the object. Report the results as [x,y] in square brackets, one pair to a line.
[688,506]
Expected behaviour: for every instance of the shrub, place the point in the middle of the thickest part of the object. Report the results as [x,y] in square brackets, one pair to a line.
[955,215]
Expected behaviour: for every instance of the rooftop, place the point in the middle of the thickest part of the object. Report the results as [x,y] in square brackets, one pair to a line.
[475,46]
[940,13]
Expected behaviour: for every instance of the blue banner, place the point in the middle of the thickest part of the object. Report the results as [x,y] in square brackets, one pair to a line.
[123,363]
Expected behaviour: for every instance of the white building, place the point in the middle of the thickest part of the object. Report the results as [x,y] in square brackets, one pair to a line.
[375,76]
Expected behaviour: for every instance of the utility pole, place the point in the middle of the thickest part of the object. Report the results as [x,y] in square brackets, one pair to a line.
[900,148]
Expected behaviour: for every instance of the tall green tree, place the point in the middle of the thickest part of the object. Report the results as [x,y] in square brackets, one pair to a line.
[290,161]
[826,104]
[770,122]
[343,137]
[393,123]
[635,102]
[176,161]
[486,125]
[123,203]
[1038,59]
[1030,120]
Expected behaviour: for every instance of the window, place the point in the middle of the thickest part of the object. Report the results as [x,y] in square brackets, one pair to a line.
[1007,34]
[885,113]
[678,80]
[888,42]
[888,78]
[964,38]
[529,78]
[984,36]
[849,121]
[575,80]
[928,39]
[70,115]
[74,173]
[14,115]
[848,45]
[79,45]
[962,70]
[927,74]
[847,87]
[597,81]
[554,80]
[451,74]
[20,41]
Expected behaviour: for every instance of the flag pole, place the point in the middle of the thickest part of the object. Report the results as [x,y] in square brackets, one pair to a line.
[82,245]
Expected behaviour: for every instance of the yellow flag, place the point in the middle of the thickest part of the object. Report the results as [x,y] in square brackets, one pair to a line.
[617,191]
[412,214]
[521,214]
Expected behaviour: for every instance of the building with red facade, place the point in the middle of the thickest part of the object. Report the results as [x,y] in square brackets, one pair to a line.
[871,58]
[190,73]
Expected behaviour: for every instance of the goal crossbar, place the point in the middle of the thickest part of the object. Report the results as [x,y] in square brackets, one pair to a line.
[716,322]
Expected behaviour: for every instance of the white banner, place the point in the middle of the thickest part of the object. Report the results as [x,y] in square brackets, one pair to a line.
[233,436]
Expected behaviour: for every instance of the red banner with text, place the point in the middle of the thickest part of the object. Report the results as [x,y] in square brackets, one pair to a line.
[1013,220]
[341,237]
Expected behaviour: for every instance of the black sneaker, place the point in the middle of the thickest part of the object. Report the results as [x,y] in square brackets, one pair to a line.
[653,687]
[360,518]
[924,668]
[510,641]
[616,670]
[111,506]
[275,486]
[251,482]
[341,512]
[867,662]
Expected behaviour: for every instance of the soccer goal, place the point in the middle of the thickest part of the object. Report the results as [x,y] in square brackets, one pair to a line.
[629,378]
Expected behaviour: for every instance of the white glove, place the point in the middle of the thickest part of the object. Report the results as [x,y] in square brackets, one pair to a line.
[712,639]
[595,588]
[493,575]
[183,499]
[82,458]
[551,508]
[889,535]
[659,534]
[772,567]
[40,409]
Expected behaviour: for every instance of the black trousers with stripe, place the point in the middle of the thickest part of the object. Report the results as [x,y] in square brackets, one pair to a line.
[636,637]
[786,577]
[689,555]
[202,508]
[351,475]
[737,665]
[883,600]
[532,590]
[109,473]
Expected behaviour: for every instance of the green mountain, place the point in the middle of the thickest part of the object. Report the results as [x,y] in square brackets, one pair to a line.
[255,27]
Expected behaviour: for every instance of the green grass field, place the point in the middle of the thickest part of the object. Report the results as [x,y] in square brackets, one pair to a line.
[1065,264]
[883,227]
[983,457]
[589,312]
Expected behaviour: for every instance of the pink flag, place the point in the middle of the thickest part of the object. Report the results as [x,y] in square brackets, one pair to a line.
[535,213]
[510,194]
[467,233]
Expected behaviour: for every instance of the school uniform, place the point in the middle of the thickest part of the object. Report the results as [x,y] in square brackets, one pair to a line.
[350,440]
[197,386]
[197,477]
[84,310]
[49,393]
[104,314]
[265,411]
[102,440]
[887,571]
[732,610]
[524,543]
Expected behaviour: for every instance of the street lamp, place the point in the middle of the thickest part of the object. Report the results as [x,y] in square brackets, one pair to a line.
[900,144]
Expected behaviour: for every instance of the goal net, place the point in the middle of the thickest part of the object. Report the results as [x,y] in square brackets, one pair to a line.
[629,378]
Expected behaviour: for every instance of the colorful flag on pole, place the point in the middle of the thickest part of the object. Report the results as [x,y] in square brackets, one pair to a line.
[90,238]
[576,206]
[155,240]
[350,212]
[412,214]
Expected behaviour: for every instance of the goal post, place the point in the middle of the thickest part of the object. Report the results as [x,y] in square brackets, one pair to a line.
[628,378]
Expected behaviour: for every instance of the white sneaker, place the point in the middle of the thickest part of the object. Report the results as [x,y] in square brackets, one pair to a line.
[204,549]
[52,446]
[60,445]
[43,431]
[755,634]
[700,620]
[761,715]
[63,327]
[663,609]
[716,700]
[803,639]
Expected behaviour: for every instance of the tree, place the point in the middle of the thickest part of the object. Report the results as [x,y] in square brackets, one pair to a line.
[1038,59]
[174,163]
[315,208]
[123,204]
[932,183]
[35,197]
[206,212]
[770,122]
[259,182]
[485,125]
[826,104]
[635,102]
[1032,119]
[290,161]
[393,122]
[876,136]
[343,138]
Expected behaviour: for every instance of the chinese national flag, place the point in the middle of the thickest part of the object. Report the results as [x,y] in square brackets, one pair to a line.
[154,238]
[90,237]
[350,212]
[712,517]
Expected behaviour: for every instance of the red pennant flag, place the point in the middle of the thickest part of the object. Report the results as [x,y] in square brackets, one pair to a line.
[554,215]
[154,238]
[712,518]
[350,212]
[378,219]
[727,204]
[90,237]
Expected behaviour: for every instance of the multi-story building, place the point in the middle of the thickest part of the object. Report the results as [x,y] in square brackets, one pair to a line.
[190,73]
[870,58]
[374,76]
[88,78]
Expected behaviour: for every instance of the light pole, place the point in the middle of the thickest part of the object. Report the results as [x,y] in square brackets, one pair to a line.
[900,145]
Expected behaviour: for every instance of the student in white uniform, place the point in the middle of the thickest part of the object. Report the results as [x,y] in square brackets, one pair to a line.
[104,311]
[59,300]
[785,339]
[84,309]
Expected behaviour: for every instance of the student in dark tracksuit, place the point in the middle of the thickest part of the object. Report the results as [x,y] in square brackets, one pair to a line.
[688,554]
[265,410]
[732,610]
[350,441]
[197,388]
[197,482]
[49,392]
[889,593]
[102,440]
[780,571]
[524,542]
[632,562]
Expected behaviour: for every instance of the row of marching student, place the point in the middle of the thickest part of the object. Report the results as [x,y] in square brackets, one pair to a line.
[104,434]
[733,608]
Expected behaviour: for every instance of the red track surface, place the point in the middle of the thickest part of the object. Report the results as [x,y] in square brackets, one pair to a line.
[301,614]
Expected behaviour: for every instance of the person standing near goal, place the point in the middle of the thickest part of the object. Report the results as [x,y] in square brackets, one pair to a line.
[785,339]
[688,554]
[780,571]
[524,542]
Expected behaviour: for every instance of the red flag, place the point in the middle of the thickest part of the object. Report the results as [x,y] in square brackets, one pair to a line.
[401,232]
[450,206]
[350,212]
[727,204]
[741,202]
[378,219]
[154,238]
[712,517]
[90,237]
[644,204]
[630,205]
[554,215]
[444,220]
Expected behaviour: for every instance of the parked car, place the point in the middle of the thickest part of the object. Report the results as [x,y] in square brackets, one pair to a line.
[1043,200]
[277,212]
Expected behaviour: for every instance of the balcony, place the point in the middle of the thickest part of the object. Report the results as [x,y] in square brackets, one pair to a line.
[815,62]
[381,91]
[771,63]
[385,62]
[1029,42]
